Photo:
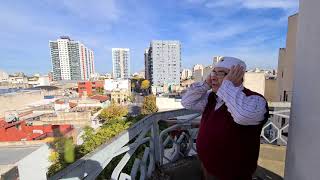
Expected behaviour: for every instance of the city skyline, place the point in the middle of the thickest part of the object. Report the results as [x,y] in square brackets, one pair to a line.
[204,28]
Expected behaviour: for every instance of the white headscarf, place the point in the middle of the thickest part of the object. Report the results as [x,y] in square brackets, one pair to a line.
[228,62]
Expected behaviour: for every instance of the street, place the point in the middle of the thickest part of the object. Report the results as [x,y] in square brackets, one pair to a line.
[135,108]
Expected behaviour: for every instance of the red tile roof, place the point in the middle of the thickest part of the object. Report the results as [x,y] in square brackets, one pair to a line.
[101,98]
[20,130]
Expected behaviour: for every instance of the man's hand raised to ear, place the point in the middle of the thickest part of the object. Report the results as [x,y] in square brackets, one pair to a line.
[235,75]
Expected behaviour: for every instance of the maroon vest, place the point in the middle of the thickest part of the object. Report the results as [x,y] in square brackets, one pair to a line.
[228,150]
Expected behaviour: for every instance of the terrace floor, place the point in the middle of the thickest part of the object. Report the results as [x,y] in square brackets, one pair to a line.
[270,166]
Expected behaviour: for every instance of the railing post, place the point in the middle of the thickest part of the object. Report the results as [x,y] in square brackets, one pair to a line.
[156,141]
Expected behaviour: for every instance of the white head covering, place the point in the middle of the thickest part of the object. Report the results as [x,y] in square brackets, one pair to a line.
[228,62]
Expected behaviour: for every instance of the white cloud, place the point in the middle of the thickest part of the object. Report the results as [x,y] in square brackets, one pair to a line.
[253,4]
[105,10]
[281,4]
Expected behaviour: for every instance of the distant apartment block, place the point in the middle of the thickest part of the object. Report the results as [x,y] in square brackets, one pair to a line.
[197,72]
[287,60]
[147,64]
[71,60]
[3,76]
[186,74]
[121,63]
[163,62]
[197,67]
[217,59]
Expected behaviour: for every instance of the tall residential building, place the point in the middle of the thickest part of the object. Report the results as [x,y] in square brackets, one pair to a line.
[164,62]
[147,64]
[71,60]
[120,63]
[287,60]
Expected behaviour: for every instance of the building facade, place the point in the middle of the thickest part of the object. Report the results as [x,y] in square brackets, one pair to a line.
[261,83]
[120,97]
[121,63]
[286,61]
[117,85]
[3,76]
[89,87]
[197,72]
[147,64]
[216,59]
[163,63]
[186,74]
[71,60]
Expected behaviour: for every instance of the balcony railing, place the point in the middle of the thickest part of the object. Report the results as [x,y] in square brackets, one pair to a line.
[166,146]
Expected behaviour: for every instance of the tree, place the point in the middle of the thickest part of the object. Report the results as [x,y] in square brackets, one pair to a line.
[149,105]
[113,112]
[69,155]
[62,154]
[145,84]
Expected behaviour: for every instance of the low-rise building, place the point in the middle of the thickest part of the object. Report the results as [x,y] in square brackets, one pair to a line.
[23,131]
[117,85]
[89,87]
[197,72]
[262,83]
[186,74]
[4,77]
[120,97]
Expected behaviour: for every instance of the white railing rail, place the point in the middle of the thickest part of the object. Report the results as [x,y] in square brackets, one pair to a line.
[163,147]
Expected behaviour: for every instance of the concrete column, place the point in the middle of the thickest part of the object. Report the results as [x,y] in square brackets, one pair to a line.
[303,153]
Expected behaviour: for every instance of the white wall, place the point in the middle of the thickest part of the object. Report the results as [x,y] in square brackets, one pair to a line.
[303,152]
[35,165]
[255,81]
[43,81]
[111,85]
[166,104]
[3,76]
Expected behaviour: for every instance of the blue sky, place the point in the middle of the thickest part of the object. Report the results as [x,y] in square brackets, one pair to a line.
[253,30]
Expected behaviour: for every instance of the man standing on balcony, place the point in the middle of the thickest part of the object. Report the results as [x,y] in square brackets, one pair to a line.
[228,141]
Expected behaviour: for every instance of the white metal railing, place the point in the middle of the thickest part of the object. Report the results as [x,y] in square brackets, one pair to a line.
[166,146]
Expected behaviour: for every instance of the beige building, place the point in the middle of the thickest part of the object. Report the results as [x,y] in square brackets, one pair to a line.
[197,72]
[217,59]
[186,74]
[262,84]
[120,97]
[81,119]
[286,62]
[206,71]
[19,101]
[200,74]
[187,83]
[197,75]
